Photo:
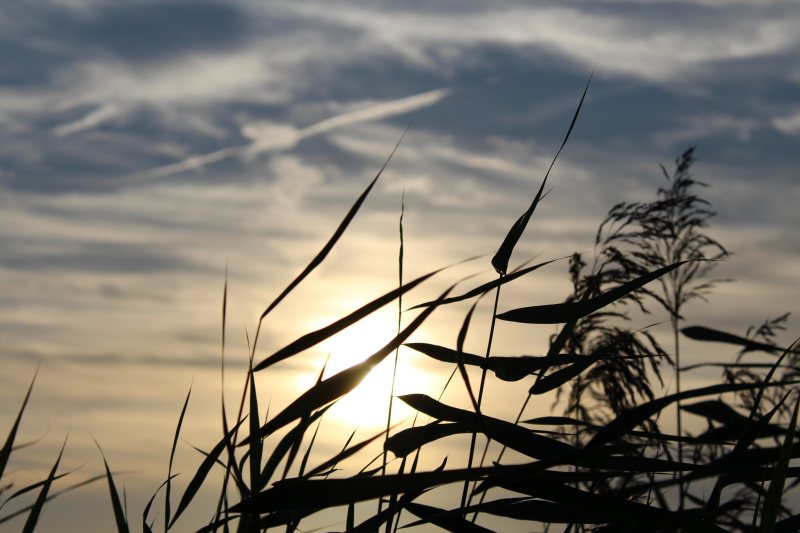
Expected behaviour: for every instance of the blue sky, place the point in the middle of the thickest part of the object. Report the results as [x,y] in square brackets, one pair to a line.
[147,144]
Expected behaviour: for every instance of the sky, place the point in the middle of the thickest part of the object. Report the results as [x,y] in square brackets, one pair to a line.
[150,145]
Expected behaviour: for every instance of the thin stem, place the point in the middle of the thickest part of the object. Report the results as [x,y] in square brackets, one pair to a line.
[681,487]
[396,354]
[480,395]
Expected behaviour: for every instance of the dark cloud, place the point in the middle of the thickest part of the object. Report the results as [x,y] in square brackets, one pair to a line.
[149,31]
[100,258]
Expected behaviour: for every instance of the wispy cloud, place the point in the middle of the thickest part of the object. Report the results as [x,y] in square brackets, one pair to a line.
[269,137]
[91,120]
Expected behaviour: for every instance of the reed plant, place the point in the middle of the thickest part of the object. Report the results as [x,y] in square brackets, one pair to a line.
[605,464]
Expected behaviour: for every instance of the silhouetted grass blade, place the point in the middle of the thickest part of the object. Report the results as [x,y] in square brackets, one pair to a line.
[410,439]
[5,452]
[486,287]
[623,514]
[570,311]
[325,493]
[344,454]
[788,525]
[256,445]
[284,445]
[202,472]
[702,333]
[716,410]
[29,488]
[506,368]
[515,437]
[320,257]
[119,515]
[531,510]
[315,337]
[168,490]
[772,502]
[503,255]
[38,505]
[462,336]
[27,508]
[443,519]
[639,414]
[148,528]
[559,377]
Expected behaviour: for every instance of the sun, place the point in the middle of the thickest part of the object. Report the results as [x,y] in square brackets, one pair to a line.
[367,405]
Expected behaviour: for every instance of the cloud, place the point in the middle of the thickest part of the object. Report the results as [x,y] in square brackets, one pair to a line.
[616,40]
[269,137]
[790,124]
[698,128]
[91,120]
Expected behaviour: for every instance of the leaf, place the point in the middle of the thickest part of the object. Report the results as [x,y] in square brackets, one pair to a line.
[116,505]
[172,458]
[716,410]
[511,435]
[702,333]
[145,527]
[559,377]
[320,257]
[36,509]
[284,445]
[486,287]
[633,417]
[201,473]
[503,255]
[631,515]
[571,311]
[297,494]
[772,502]
[506,368]
[315,337]
[5,451]
[443,519]
[256,445]
[410,439]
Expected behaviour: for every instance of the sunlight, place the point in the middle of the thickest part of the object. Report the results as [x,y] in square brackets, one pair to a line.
[368,404]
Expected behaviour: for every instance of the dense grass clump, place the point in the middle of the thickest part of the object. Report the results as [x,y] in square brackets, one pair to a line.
[604,463]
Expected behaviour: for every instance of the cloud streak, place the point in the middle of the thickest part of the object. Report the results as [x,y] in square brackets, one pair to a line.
[270,137]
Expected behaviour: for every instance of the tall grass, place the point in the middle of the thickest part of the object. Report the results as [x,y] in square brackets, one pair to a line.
[605,464]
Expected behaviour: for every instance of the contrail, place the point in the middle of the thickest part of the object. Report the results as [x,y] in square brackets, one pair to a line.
[286,137]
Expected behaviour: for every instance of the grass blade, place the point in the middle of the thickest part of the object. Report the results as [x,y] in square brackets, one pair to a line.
[299,494]
[148,528]
[503,255]
[315,337]
[5,452]
[515,437]
[116,505]
[36,510]
[632,418]
[443,519]
[488,286]
[202,472]
[772,502]
[256,445]
[320,257]
[570,311]
[284,445]
[702,333]
[171,459]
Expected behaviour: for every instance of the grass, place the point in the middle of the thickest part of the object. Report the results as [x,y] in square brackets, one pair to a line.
[604,463]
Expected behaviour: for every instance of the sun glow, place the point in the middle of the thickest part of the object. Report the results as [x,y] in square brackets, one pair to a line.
[368,404]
